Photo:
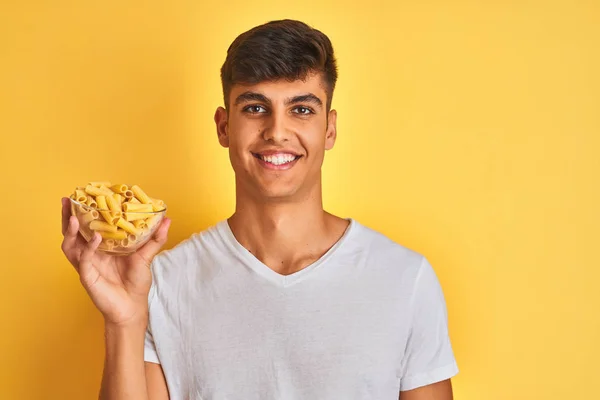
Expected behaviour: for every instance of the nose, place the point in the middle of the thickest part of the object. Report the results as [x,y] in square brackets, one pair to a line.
[276,131]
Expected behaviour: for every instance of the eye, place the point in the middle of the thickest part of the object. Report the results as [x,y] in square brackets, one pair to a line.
[254,109]
[302,110]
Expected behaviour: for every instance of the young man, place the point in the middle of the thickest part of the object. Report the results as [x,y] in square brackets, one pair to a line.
[282,300]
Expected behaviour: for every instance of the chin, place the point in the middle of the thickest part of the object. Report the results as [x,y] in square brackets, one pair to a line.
[277,192]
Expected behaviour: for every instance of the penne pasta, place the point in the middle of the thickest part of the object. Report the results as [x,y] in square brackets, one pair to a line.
[99,184]
[88,217]
[127,242]
[140,194]
[134,212]
[124,216]
[112,204]
[127,226]
[104,211]
[153,220]
[91,202]
[116,217]
[140,224]
[98,191]
[157,205]
[80,196]
[107,244]
[129,207]
[118,235]
[119,198]
[102,226]
[135,216]
[119,188]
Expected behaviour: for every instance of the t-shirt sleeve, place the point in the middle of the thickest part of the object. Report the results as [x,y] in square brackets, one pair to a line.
[150,354]
[429,357]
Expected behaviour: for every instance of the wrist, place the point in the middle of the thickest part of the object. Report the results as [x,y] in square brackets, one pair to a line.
[135,323]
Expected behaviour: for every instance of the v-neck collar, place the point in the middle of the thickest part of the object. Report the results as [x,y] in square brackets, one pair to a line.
[260,268]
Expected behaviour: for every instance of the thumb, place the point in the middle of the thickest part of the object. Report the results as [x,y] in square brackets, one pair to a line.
[150,249]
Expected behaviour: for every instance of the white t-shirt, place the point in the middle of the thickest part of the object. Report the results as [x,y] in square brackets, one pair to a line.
[365,321]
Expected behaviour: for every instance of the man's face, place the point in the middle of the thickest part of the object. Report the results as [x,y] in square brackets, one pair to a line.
[277,133]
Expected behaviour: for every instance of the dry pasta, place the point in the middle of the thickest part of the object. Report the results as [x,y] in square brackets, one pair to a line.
[97,191]
[99,184]
[123,215]
[91,202]
[102,226]
[128,226]
[101,200]
[89,216]
[113,205]
[110,243]
[80,196]
[157,205]
[119,199]
[113,235]
[140,224]
[119,188]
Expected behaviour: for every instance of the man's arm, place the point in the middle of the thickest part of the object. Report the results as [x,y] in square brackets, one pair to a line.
[126,375]
[156,383]
[437,391]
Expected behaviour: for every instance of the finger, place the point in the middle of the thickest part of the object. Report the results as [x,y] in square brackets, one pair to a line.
[70,241]
[66,213]
[150,249]
[75,253]
[70,233]
[85,260]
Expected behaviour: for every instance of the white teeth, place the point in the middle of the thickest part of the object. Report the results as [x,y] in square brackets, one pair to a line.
[279,159]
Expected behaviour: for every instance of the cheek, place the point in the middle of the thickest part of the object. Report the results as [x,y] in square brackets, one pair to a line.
[313,141]
[240,144]
[243,136]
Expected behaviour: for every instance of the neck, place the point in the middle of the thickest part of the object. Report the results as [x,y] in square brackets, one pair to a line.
[285,235]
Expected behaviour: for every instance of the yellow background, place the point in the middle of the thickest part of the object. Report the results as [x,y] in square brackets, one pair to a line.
[468,131]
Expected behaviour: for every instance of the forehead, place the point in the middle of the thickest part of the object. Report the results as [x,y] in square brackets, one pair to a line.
[282,89]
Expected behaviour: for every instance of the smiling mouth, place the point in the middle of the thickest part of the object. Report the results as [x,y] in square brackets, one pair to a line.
[277,159]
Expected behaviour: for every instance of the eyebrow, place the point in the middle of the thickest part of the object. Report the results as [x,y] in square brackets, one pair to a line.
[305,98]
[254,96]
[251,96]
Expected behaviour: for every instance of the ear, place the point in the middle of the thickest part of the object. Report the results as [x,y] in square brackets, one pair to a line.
[222,127]
[331,133]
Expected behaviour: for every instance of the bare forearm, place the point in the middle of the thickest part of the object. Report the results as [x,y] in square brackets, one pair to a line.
[124,374]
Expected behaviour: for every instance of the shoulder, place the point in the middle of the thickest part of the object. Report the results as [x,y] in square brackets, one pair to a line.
[189,255]
[384,254]
[381,247]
